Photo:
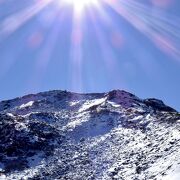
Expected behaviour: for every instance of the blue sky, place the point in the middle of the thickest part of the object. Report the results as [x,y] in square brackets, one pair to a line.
[131,45]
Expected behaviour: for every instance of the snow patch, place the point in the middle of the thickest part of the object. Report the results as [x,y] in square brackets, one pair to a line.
[29,104]
[10,114]
[113,104]
[21,126]
[89,104]
[73,103]
[2,177]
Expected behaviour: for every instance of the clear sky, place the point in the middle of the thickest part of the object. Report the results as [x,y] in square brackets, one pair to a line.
[91,46]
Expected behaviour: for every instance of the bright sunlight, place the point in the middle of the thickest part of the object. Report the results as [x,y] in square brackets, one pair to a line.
[80,5]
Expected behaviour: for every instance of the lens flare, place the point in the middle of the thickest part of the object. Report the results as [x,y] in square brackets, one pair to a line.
[91,27]
[80,5]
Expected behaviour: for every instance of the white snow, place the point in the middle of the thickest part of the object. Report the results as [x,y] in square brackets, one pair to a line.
[113,104]
[137,118]
[21,126]
[112,141]
[30,103]
[173,175]
[91,103]
[76,122]
[10,114]
[2,177]
[73,103]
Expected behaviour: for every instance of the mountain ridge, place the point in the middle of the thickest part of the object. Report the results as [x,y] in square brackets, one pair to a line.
[148,101]
[113,135]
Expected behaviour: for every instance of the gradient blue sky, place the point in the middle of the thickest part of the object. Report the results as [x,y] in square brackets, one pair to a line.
[48,48]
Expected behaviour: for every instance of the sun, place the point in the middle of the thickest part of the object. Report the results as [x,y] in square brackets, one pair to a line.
[80,5]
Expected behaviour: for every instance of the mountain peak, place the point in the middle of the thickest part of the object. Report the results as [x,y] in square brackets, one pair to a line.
[66,135]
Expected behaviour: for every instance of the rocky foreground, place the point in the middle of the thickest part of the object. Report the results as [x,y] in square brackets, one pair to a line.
[103,136]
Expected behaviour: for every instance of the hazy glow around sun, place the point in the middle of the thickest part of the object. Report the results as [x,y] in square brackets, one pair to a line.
[80,5]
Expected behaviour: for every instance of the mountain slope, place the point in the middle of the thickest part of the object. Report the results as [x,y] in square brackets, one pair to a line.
[64,135]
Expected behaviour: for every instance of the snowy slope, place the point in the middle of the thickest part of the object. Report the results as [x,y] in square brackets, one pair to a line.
[64,135]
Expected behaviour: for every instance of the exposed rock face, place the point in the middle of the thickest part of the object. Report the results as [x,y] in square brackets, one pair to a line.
[64,135]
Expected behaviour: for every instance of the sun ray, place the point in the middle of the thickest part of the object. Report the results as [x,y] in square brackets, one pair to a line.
[45,54]
[76,53]
[107,51]
[161,29]
[156,28]
[79,6]
[15,21]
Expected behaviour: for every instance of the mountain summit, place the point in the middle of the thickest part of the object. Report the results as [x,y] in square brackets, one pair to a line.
[95,136]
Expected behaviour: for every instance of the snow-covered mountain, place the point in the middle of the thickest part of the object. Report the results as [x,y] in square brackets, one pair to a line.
[100,136]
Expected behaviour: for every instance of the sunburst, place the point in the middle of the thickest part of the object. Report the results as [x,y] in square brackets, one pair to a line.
[79,6]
